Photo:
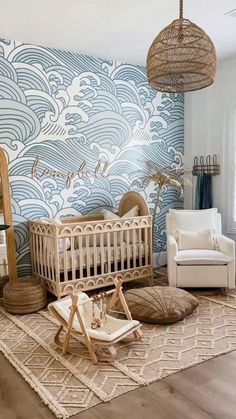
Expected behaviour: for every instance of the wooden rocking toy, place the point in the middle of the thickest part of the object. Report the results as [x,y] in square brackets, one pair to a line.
[87,320]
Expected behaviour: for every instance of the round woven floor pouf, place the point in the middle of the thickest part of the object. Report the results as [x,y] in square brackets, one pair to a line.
[26,295]
[163,305]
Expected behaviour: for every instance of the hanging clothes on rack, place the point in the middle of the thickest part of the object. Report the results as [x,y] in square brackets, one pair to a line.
[198,191]
[203,195]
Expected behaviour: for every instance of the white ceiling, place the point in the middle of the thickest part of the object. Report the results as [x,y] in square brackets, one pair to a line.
[119,29]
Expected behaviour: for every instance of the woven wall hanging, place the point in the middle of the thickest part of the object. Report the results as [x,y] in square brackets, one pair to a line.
[182,58]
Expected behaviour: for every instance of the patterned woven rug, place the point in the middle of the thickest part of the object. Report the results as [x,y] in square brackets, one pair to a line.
[69,385]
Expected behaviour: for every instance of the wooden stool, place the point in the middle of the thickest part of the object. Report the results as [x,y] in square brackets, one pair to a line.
[25,295]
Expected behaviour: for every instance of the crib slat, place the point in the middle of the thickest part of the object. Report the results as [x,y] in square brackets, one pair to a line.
[115,251]
[65,260]
[95,260]
[108,235]
[73,257]
[122,250]
[41,256]
[150,245]
[38,254]
[45,256]
[102,252]
[52,257]
[33,241]
[56,260]
[44,238]
[81,275]
[87,252]
[146,245]
[140,246]
[134,247]
[48,250]
[128,248]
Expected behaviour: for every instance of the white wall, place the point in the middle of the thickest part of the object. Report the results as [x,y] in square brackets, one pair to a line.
[207,115]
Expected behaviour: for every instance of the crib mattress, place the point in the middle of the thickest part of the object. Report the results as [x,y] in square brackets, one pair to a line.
[89,256]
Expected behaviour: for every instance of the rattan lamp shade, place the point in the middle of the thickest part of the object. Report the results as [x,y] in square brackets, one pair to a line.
[182,58]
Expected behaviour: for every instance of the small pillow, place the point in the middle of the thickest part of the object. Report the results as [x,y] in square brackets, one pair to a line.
[108,215]
[195,239]
[60,241]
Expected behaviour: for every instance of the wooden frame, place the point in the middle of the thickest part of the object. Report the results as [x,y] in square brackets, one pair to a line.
[95,257]
[10,238]
[99,250]
[84,337]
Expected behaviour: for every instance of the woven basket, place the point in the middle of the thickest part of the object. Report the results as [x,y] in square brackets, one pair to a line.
[26,295]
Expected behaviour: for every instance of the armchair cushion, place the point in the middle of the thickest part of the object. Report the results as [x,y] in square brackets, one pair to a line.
[201,257]
[195,239]
[194,220]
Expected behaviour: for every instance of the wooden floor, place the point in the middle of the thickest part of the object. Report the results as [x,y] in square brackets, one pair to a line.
[202,392]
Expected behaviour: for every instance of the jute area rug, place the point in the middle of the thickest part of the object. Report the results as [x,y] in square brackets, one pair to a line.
[69,385]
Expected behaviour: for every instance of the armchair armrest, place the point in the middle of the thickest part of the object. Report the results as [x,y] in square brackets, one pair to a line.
[172,249]
[226,246]
[172,246]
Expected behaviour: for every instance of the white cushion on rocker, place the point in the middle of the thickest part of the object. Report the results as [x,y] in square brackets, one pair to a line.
[111,329]
[201,257]
[194,220]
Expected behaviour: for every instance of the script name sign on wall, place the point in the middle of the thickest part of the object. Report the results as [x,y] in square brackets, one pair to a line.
[81,173]
[74,111]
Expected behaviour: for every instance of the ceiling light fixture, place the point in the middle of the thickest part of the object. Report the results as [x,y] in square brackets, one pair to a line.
[182,57]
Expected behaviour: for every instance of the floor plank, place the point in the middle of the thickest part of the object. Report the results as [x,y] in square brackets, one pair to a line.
[206,391]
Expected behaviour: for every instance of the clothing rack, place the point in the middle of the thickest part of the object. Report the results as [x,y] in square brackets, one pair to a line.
[208,165]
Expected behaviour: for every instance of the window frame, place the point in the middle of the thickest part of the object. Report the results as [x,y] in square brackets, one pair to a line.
[231,174]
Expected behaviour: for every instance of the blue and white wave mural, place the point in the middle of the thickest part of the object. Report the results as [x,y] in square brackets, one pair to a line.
[72,111]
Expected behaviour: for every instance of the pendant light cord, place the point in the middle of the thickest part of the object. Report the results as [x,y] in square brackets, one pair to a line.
[181,9]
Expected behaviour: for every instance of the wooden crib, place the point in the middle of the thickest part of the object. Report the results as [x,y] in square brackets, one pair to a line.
[88,252]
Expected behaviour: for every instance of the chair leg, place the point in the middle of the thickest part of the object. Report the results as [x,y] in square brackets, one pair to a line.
[93,357]
[91,350]
[112,352]
[66,343]
[138,335]
[56,339]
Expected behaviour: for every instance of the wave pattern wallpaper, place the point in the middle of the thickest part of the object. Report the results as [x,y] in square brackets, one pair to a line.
[78,132]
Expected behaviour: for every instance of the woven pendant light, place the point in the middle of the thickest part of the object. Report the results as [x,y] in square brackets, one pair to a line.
[182,58]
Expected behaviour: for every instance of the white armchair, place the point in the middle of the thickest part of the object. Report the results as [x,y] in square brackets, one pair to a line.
[196,267]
